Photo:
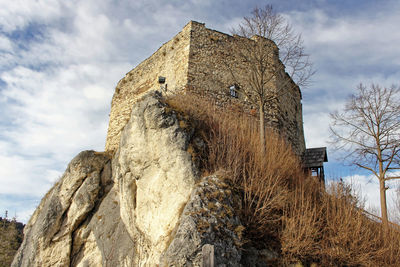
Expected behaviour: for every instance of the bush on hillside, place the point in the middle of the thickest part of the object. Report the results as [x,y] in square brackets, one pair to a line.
[282,207]
[10,239]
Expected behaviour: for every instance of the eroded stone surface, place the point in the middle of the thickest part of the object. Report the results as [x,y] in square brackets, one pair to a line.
[208,218]
[155,176]
[145,207]
[71,200]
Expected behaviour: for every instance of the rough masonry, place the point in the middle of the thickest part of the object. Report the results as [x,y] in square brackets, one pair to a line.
[196,60]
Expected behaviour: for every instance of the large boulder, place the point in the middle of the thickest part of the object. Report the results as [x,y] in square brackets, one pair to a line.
[50,232]
[144,206]
[155,176]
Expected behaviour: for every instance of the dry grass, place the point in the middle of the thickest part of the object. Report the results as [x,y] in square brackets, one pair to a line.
[281,206]
[328,227]
[302,225]
[233,145]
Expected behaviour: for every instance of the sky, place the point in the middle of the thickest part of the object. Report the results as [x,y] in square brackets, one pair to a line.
[61,60]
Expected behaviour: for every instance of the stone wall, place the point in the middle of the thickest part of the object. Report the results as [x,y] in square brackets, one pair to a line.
[202,60]
[291,114]
[212,60]
[170,61]
[208,74]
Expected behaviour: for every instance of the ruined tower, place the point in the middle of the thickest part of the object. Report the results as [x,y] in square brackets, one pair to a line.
[195,59]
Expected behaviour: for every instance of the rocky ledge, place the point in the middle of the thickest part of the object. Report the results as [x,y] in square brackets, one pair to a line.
[144,206]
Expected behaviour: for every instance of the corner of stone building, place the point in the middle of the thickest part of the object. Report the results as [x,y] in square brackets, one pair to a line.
[171,61]
[194,23]
[192,26]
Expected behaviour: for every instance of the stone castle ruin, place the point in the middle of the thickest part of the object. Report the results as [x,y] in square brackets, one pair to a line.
[147,204]
[195,60]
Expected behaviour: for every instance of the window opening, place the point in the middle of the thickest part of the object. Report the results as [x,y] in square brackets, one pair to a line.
[163,85]
[233,89]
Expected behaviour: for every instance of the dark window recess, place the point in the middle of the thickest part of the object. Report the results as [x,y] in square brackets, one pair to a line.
[233,89]
[161,79]
[163,85]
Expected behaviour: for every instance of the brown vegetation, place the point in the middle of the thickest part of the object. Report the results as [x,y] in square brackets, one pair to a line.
[10,240]
[328,227]
[282,207]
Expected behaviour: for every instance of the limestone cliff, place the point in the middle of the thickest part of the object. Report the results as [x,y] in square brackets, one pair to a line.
[144,206]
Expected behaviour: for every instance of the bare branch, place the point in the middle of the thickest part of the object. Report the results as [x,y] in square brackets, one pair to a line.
[274,58]
[368,168]
[369,131]
[265,22]
[392,178]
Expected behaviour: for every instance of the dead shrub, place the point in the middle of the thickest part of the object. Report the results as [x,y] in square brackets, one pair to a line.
[301,223]
[281,207]
[232,140]
[328,227]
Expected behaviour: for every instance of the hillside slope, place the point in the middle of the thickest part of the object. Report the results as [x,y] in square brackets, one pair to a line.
[189,173]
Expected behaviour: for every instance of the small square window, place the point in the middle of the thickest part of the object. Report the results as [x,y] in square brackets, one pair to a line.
[233,91]
[161,79]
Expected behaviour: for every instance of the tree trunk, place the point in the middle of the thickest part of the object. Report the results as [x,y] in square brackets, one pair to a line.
[262,126]
[382,190]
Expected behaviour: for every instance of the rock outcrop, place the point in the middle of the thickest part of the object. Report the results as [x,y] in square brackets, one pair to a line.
[208,218]
[144,206]
[51,236]
[154,175]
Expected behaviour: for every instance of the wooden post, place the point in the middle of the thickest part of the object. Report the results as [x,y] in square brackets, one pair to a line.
[208,255]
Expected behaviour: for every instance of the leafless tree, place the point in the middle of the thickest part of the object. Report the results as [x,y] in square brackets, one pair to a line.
[368,131]
[273,26]
[262,61]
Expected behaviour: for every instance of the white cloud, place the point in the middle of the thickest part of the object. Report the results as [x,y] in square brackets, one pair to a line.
[22,176]
[18,14]
[5,44]
[21,208]
[354,40]
[346,50]
[57,96]
[316,129]
[58,112]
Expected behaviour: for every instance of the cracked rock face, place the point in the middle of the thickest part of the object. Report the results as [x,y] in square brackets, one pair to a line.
[155,177]
[145,206]
[208,218]
[66,206]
